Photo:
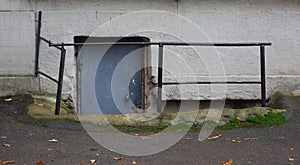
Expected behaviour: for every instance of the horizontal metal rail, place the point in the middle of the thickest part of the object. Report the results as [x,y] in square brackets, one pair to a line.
[219,44]
[212,82]
[50,43]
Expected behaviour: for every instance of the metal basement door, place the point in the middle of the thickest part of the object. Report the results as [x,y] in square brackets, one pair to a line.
[110,77]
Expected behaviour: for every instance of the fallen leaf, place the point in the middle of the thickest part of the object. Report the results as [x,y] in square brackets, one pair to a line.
[40,163]
[3,137]
[8,99]
[49,149]
[40,105]
[250,139]
[133,162]
[136,134]
[292,149]
[93,161]
[6,145]
[215,137]
[189,138]
[228,163]
[227,139]
[9,162]
[117,158]
[53,140]
[145,138]
[291,159]
[97,154]
[235,141]
[106,156]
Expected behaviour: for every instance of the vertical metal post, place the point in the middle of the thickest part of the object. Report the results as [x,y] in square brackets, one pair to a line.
[263,75]
[60,79]
[37,42]
[160,72]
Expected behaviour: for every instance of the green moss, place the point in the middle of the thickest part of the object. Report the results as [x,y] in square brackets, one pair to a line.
[140,129]
[51,105]
[268,120]
[94,149]
[271,119]
[180,127]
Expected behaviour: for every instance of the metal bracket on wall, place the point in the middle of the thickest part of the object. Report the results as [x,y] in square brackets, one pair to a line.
[160,45]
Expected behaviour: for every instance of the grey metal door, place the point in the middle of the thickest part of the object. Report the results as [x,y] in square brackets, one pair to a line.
[118,79]
[109,77]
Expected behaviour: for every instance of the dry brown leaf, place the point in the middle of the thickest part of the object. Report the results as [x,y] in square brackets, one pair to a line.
[133,162]
[6,145]
[291,159]
[117,158]
[8,99]
[228,139]
[145,138]
[292,149]
[93,161]
[228,163]
[9,162]
[250,139]
[215,137]
[136,134]
[3,137]
[41,105]
[53,140]
[189,138]
[40,163]
[235,141]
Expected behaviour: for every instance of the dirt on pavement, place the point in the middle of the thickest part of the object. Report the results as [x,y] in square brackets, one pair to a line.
[26,141]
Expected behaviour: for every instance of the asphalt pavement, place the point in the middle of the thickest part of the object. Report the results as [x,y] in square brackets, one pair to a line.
[25,141]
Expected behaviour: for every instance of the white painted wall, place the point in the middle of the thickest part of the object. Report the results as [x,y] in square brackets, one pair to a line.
[17,32]
[228,21]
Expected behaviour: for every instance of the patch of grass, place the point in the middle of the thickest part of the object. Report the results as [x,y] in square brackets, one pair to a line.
[51,105]
[211,123]
[94,149]
[232,124]
[140,129]
[71,120]
[268,120]
[271,119]
[180,127]
[195,128]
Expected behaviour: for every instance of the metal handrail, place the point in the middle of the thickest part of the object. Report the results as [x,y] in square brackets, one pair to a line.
[61,47]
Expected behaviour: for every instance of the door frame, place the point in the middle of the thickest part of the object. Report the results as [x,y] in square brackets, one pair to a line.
[146,60]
